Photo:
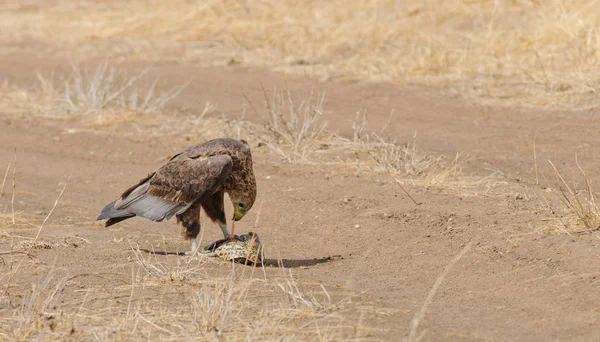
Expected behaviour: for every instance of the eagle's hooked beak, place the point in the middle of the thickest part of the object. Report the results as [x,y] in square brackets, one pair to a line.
[238,211]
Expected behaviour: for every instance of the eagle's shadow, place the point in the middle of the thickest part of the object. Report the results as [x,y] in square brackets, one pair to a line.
[287,263]
[295,263]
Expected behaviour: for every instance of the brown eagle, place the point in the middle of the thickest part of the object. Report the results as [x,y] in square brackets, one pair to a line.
[197,177]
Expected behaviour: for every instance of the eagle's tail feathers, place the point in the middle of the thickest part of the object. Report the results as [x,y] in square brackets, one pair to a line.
[114,220]
[113,215]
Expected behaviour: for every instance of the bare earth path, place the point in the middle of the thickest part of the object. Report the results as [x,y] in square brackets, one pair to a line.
[515,283]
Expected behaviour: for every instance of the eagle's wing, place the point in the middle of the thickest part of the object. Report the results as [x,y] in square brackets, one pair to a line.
[173,188]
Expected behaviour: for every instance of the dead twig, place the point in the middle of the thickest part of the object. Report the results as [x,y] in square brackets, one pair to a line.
[406,192]
[15,271]
[12,201]
[418,318]
[4,180]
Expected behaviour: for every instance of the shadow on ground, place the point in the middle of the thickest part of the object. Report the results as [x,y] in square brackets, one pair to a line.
[288,263]
[295,263]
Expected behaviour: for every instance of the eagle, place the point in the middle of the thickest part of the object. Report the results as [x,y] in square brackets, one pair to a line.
[196,178]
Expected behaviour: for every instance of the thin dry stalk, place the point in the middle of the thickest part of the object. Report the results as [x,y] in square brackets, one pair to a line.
[16,269]
[4,180]
[406,192]
[535,164]
[14,181]
[389,156]
[419,317]
[131,293]
[53,208]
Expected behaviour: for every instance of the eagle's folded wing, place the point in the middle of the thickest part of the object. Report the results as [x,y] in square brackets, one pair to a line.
[173,188]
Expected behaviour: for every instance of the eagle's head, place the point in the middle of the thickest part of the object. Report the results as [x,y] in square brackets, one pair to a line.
[243,199]
[243,203]
[243,193]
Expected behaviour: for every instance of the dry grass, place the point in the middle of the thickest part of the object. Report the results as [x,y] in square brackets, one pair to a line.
[297,132]
[102,98]
[102,91]
[398,158]
[527,52]
[173,298]
[167,298]
[579,212]
[296,127]
[377,152]
[97,96]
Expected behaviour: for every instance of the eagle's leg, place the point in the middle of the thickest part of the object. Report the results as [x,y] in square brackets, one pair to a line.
[194,247]
[232,236]
[224,229]
[213,206]
[190,219]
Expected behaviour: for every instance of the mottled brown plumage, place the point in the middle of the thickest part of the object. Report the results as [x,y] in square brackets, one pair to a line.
[197,177]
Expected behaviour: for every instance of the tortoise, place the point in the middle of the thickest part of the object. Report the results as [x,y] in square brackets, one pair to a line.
[245,249]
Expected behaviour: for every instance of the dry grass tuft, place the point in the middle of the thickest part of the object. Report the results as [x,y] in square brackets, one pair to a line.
[297,132]
[104,99]
[391,156]
[296,127]
[580,211]
[374,152]
[104,89]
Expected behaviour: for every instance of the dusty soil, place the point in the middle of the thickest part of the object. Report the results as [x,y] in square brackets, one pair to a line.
[356,232]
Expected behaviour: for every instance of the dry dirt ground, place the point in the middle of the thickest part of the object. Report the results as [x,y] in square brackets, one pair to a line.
[358,234]
[480,249]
